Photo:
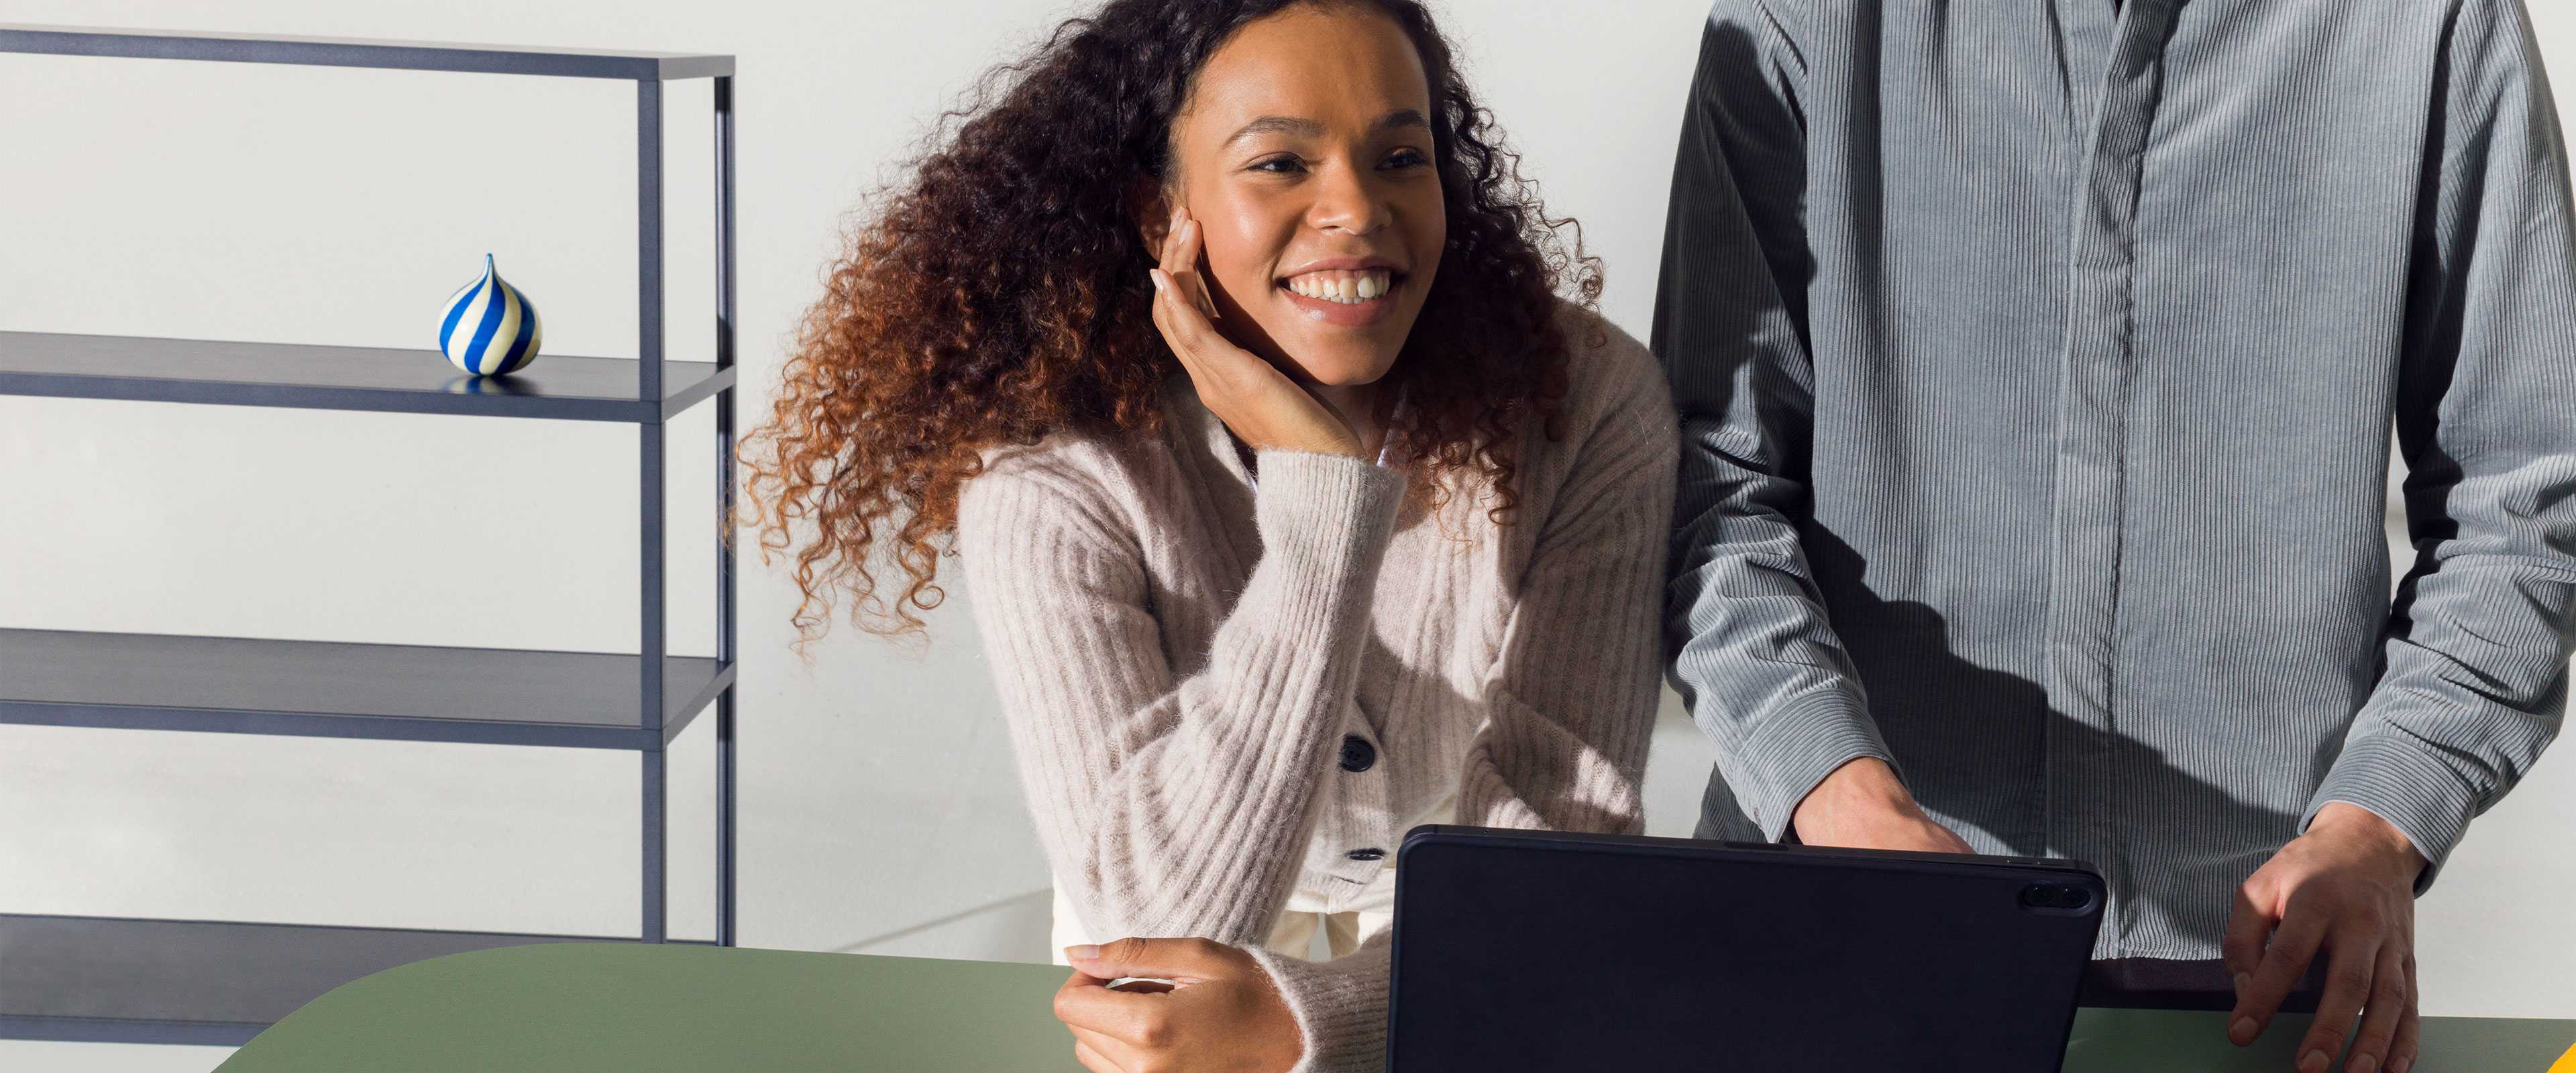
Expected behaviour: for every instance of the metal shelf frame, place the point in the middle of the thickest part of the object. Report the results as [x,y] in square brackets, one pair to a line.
[160,981]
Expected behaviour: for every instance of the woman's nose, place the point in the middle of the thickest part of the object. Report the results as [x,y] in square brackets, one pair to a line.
[1345,201]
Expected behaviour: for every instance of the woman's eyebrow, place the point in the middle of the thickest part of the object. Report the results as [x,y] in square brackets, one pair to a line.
[1280,124]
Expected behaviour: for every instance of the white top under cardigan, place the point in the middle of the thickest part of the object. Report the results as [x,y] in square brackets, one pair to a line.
[1179,655]
[1341,918]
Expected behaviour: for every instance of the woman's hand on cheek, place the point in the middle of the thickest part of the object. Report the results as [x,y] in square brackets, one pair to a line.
[1256,400]
[1221,1015]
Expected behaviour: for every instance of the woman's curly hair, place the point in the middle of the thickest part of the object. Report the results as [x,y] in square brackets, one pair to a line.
[1000,295]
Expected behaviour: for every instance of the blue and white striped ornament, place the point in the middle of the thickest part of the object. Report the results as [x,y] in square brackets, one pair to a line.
[489,328]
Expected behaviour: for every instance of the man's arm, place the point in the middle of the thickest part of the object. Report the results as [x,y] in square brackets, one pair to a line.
[2475,656]
[1753,654]
[2474,662]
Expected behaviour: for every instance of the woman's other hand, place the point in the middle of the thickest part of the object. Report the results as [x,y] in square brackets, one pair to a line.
[1261,404]
[1221,1015]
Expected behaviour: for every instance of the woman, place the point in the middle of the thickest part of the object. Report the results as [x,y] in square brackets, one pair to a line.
[1297,507]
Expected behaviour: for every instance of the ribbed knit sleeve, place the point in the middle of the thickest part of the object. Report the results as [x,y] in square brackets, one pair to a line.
[1168,805]
[1340,1004]
[1570,700]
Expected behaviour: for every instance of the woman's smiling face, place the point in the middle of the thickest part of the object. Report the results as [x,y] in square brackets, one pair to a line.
[1305,154]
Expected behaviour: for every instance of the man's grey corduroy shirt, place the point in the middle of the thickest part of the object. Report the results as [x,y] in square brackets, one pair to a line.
[2037,361]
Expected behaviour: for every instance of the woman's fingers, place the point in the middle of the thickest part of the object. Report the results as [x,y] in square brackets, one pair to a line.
[1194,282]
[1117,1055]
[1188,324]
[1093,1060]
[1212,360]
[1173,959]
[1086,1003]
[1179,259]
[1162,321]
[1171,241]
[1182,337]
[1255,399]
[1181,320]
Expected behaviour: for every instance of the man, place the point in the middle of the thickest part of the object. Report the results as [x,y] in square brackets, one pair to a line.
[2037,362]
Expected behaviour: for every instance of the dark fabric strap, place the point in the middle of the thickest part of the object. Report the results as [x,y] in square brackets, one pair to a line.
[2170,984]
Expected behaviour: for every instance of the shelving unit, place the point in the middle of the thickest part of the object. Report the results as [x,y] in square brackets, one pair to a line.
[219,982]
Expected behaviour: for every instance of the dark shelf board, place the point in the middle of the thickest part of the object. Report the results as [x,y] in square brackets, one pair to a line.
[216,983]
[360,52]
[336,689]
[147,368]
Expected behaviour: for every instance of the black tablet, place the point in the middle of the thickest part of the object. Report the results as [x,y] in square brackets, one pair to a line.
[1532,950]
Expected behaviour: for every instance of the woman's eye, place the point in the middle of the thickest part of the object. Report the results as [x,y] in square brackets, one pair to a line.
[1283,165]
[1405,158]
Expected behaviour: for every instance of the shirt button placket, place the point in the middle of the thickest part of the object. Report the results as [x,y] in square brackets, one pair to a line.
[2084,589]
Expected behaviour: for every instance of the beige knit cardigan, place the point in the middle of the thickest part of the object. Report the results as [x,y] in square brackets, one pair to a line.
[1180,651]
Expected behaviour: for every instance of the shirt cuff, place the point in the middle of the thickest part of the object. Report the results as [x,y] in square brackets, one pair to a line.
[1772,768]
[1340,1006]
[2424,799]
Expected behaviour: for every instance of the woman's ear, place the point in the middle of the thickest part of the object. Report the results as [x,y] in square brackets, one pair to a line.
[1152,211]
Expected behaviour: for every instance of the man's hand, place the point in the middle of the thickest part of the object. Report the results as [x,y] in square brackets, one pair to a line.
[2346,887]
[1862,805]
[1220,1015]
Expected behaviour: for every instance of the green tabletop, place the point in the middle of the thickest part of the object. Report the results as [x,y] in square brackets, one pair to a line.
[578,1007]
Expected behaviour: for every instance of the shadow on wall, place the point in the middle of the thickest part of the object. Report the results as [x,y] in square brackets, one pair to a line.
[1022,924]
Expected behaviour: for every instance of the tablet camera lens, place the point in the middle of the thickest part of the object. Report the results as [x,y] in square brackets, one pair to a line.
[2053,896]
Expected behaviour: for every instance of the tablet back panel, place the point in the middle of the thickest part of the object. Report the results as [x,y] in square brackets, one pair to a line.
[1523,951]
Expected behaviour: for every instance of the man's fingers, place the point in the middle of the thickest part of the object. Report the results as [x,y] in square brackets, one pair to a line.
[2247,926]
[2402,1050]
[1171,959]
[2294,944]
[2350,973]
[2373,1043]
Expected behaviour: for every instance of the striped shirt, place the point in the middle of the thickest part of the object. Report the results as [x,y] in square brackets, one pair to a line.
[2037,362]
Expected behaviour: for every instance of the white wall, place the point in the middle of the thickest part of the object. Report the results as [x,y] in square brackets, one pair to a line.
[878,811]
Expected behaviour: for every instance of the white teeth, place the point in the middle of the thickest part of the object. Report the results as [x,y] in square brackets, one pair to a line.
[1344,289]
